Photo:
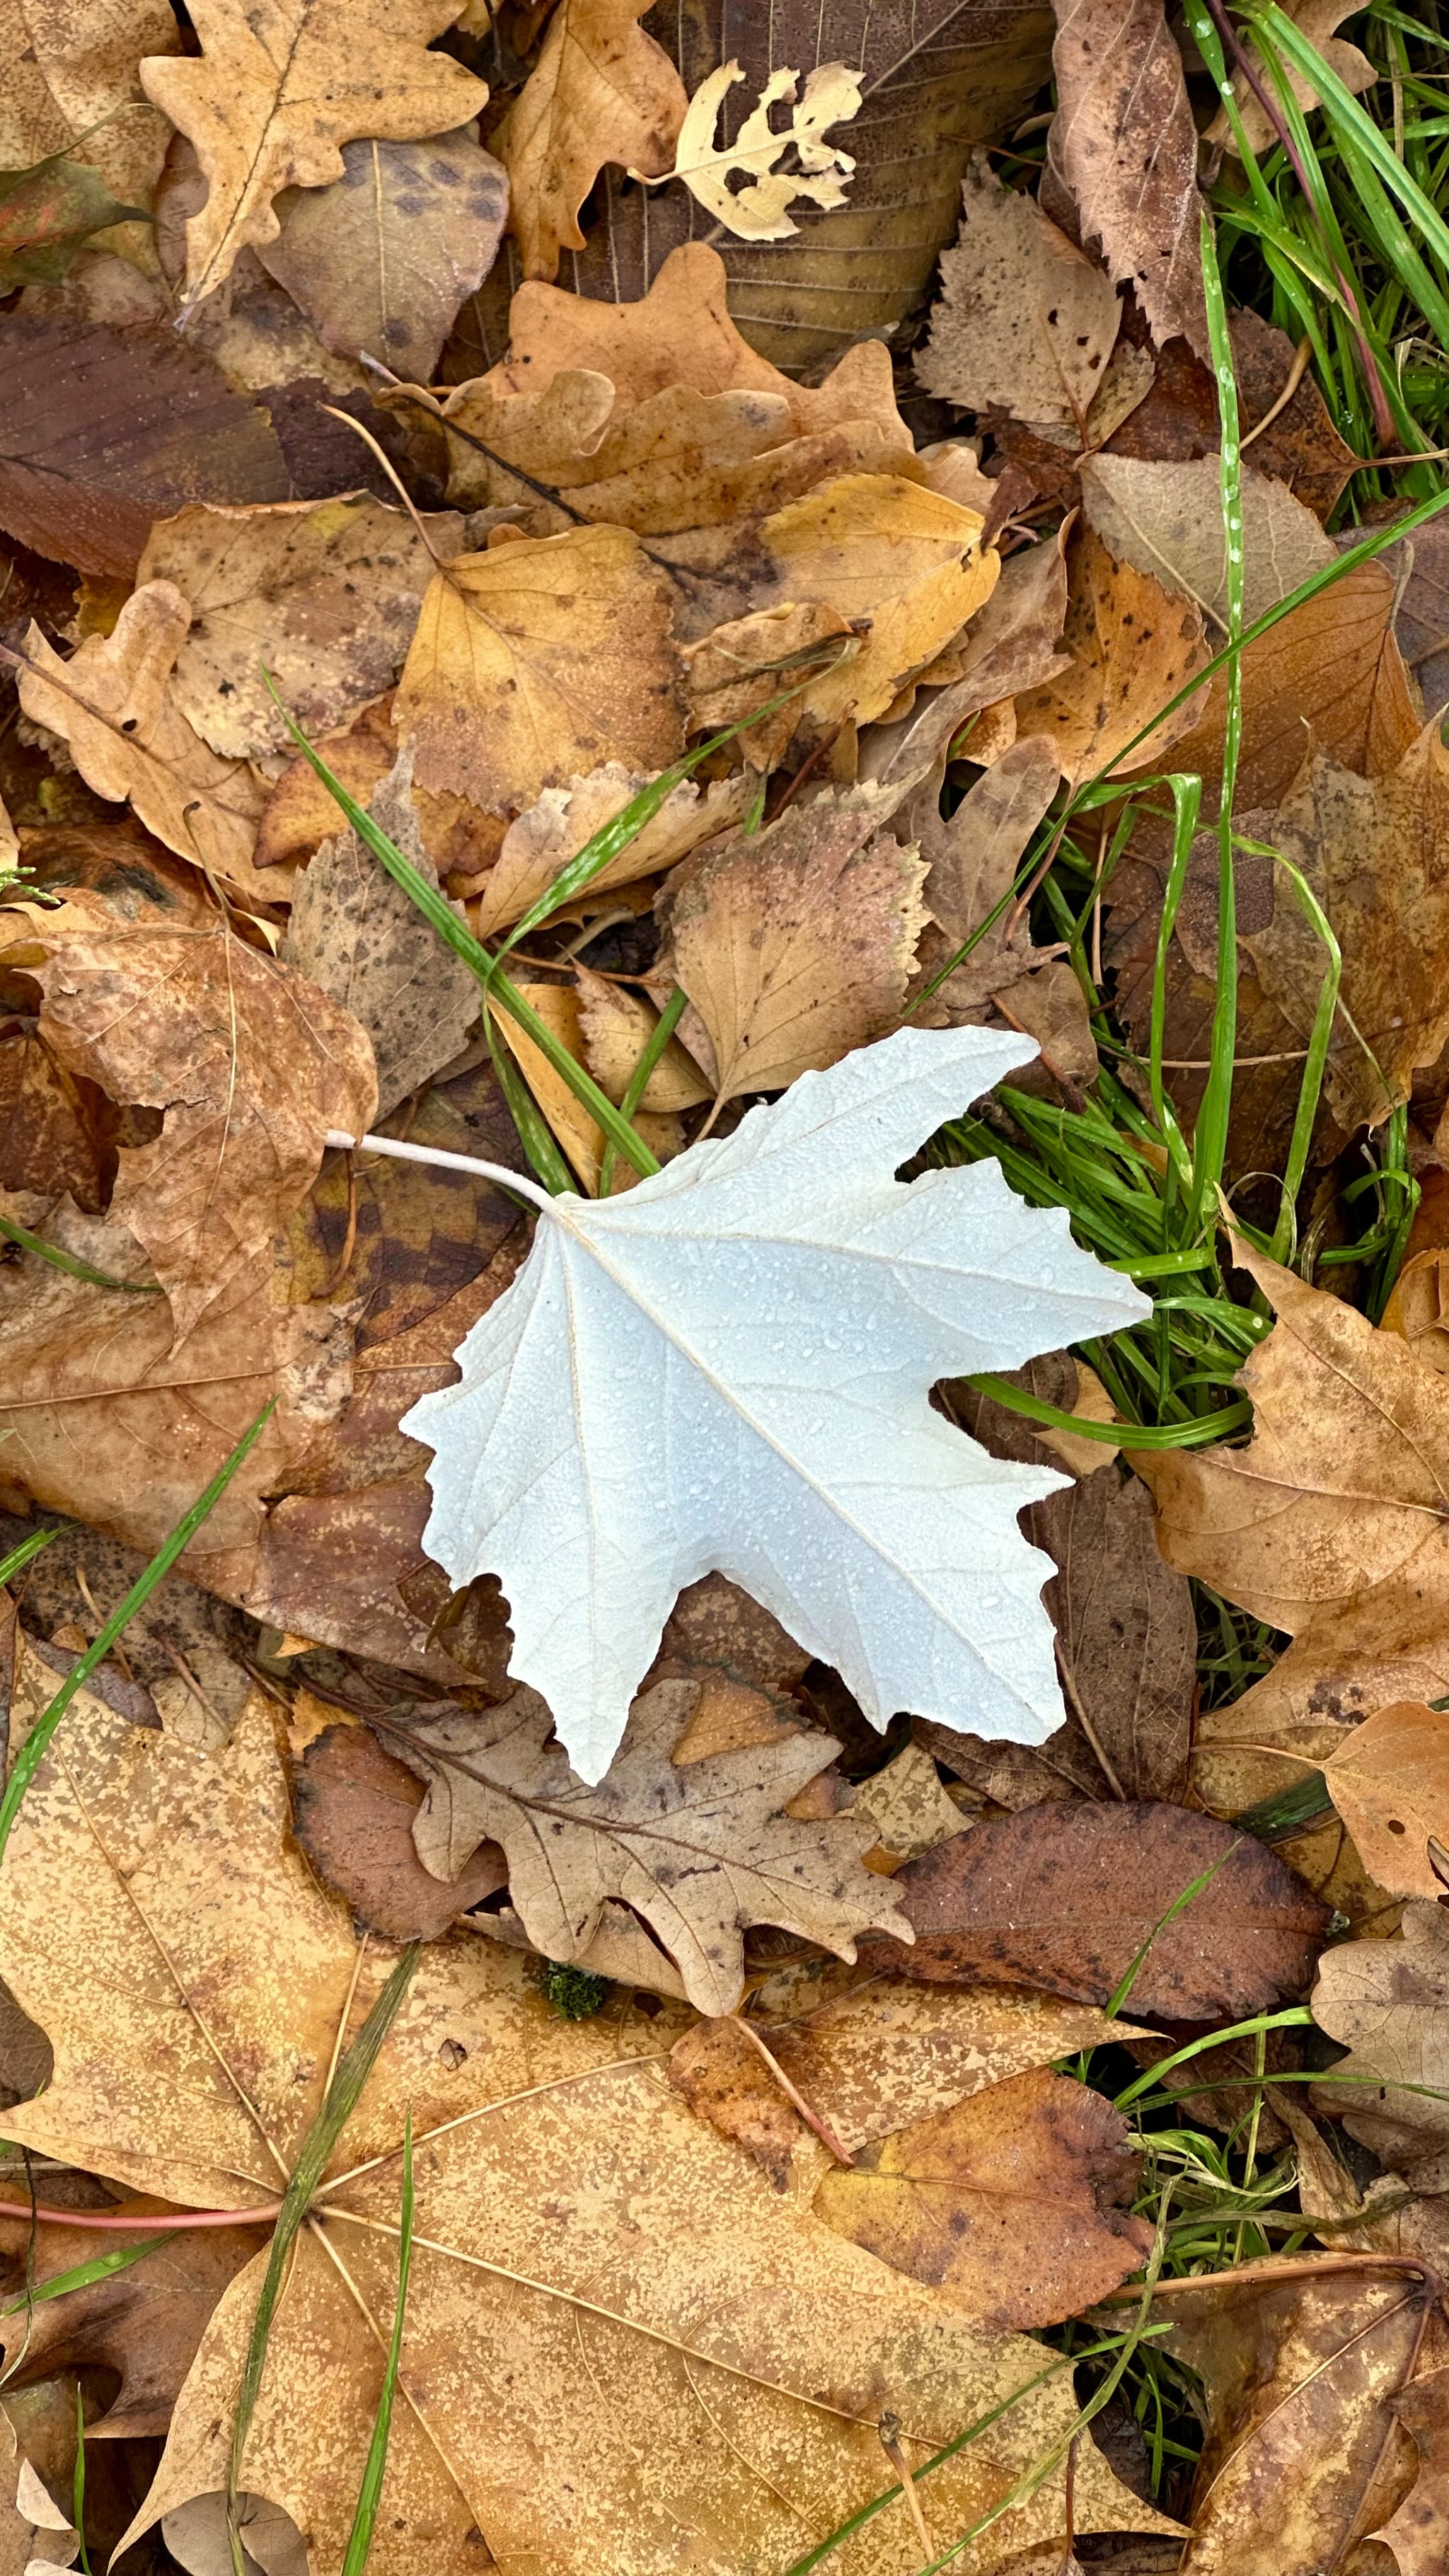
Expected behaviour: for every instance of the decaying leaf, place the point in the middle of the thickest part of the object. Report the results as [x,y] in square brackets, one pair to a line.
[1385,2000]
[536,661]
[70,86]
[973,862]
[1132,646]
[600,91]
[757,211]
[355,1810]
[793,1212]
[1012,643]
[381,261]
[1064,1897]
[1025,320]
[907,1807]
[1389,1780]
[1328,1524]
[113,704]
[361,939]
[1123,149]
[278,91]
[47,213]
[578,2198]
[323,594]
[1373,851]
[103,430]
[1298,445]
[1009,2202]
[698,1850]
[1303,2456]
[1418,2531]
[540,841]
[794,944]
[1167,520]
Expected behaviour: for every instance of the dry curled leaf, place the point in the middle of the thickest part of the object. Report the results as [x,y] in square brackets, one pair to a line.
[1064,1897]
[1025,320]
[280,87]
[322,594]
[1009,2202]
[113,704]
[250,1064]
[600,91]
[698,1850]
[1123,151]
[563,2188]
[794,944]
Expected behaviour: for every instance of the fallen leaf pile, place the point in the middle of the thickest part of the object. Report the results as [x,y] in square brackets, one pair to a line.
[734,499]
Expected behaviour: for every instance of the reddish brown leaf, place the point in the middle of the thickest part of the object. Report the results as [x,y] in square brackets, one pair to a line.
[353,1809]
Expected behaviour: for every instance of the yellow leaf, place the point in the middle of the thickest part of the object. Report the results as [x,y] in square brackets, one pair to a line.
[879,547]
[757,211]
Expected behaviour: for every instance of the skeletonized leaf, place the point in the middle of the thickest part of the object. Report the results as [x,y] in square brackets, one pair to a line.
[1025,319]
[795,943]
[699,1850]
[757,210]
[280,87]
[765,1318]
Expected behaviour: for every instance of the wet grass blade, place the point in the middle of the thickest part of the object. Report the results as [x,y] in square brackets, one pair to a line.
[81,2275]
[74,1269]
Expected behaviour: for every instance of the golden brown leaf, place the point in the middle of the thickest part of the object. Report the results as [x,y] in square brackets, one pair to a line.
[541,841]
[113,703]
[582,1139]
[1418,2532]
[1132,647]
[1009,2202]
[877,546]
[1025,320]
[567,2202]
[535,662]
[601,91]
[794,944]
[250,1064]
[281,87]
[616,1026]
[742,664]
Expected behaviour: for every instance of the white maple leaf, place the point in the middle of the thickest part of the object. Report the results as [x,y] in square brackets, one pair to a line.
[728,1369]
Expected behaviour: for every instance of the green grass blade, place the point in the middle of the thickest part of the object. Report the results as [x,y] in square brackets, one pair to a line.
[369,2494]
[21,1555]
[81,2275]
[28,1760]
[1121,1435]
[1310,1089]
[1210,1136]
[1179,1905]
[66,1261]
[312,2161]
[537,1137]
[638,1083]
[1346,115]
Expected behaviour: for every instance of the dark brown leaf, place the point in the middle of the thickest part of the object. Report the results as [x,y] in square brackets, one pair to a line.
[1179,418]
[353,1809]
[1063,1897]
[103,430]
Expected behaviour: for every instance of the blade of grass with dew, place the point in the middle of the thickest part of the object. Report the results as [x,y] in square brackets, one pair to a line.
[82,2275]
[369,2493]
[31,1754]
[649,1056]
[313,2157]
[1210,1136]
[59,1260]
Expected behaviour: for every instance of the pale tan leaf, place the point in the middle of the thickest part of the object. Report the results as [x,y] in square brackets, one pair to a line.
[908,1807]
[1123,150]
[323,594]
[1318,20]
[757,210]
[541,841]
[1025,321]
[280,87]
[1389,1780]
[1167,520]
[113,704]
[1385,2001]
[1013,643]
[698,1850]
[794,944]
[537,661]
[601,91]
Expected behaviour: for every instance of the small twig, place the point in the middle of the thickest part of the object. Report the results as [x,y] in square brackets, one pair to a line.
[812,2119]
[1296,373]
[141,2222]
